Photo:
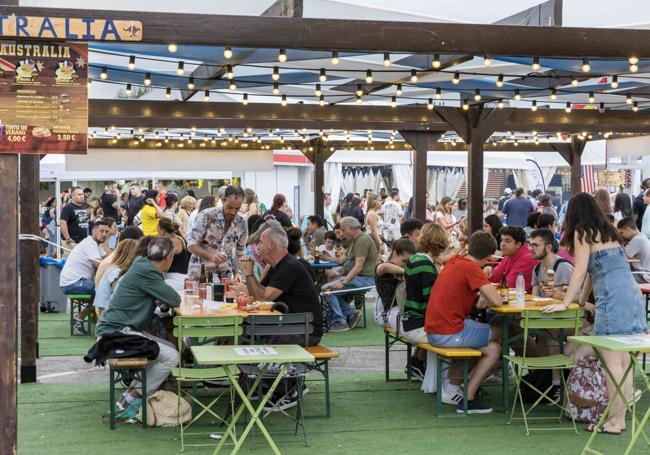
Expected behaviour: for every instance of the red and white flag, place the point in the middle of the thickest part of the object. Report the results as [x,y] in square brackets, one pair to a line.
[588,179]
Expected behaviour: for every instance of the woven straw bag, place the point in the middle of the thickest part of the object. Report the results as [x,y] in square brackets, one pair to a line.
[163,408]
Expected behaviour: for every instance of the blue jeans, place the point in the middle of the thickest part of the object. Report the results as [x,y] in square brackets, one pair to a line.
[342,309]
[474,335]
[81,286]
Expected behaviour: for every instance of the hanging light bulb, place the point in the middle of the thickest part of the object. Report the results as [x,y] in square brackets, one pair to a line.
[232,85]
[456,79]
[369,77]
[359,91]
[591,97]
[128,89]
[465,105]
[553,94]
[284,100]
[229,72]
[634,64]
[227,52]
[131,65]
[321,100]
[181,68]
[335,58]
[172,48]
[168,93]
[628,99]
[359,99]
[414,76]
[517,94]
[206,95]
[634,68]
[516,143]
[500,104]
[282,56]
[614,83]
[89,83]
[500,81]
[535,64]
[438,93]
[398,90]
[190,83]
[533,106]
[601,107]
[430,104]
[567,108]
[104,74]
[276,74]
[487,61]
[436,61]
[276,88]
[635,106]
[147,79]
[586,67]
[319,92]
[574,81]
[477,95]
[393,101]
[386,59]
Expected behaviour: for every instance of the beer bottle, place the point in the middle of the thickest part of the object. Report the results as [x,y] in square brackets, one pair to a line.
[202,277]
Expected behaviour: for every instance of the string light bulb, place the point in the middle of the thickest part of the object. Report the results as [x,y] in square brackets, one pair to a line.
[359,99]
[574,81]
[477,95]
[438,93]
[131,65]
[386,59]
[456,79]
[635,106]
[634,64]
[517,94]
[614,83]
[276,88]
[206,95]
[567,108]
[465,105]
[586,67]
[393,101]
[128,89]
[181,68]
[414,76]
[232,85]
[487,61]
[369,77]
[282,56]
[535,65]
[227,52]
[244,99]
[591,97]
[276,74]
[430,104]
[601,107]
[190,83]
[318,90]
[335,58]
[533,106]
[147,79]
[284,100]
[398,90]
[321,101]
[500,104]
[436,61]
[104,74]
[229,72]
[168,92]
[323,75]
[171,47]
[553,94]
[628,99]
[500,81]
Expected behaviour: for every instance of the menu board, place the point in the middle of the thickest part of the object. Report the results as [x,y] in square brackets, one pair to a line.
[43,97]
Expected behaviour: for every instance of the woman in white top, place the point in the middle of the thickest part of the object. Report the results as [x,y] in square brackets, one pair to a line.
[374,223]
[445,219]
[171,207]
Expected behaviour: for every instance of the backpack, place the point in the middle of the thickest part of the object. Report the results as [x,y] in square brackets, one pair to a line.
[382,310]
[540,379]
[587,391]
[326,309]
[555,266]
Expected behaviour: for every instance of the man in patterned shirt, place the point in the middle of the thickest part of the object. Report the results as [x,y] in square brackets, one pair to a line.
[218,236]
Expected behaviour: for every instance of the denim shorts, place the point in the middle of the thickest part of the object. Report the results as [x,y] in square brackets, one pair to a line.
[620,308]
[474,335]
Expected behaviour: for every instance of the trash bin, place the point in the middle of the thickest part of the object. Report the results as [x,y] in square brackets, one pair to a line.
[53,300]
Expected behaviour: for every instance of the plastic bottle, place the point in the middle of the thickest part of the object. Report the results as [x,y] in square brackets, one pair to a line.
[520,290]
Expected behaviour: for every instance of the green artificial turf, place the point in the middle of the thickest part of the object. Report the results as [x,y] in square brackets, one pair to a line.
[369,416]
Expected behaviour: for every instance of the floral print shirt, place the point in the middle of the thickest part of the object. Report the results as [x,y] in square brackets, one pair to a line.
[208,231]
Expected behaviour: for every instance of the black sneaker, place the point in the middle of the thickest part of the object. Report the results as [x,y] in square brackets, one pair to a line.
[354,319]
[78,327]
[416,373]
[285,403]
[473,407]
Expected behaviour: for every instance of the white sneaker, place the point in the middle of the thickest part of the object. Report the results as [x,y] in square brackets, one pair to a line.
[452,398]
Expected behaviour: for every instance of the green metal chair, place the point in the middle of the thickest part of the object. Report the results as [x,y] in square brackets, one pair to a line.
[204,330]
[536,321]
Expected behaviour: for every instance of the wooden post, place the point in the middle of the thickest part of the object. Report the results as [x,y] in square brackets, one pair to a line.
[572,154]
[29,266]
[319,178]
[475,186]
[422,142]
[8,302]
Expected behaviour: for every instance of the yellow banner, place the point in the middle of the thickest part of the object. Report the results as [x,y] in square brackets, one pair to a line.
[84,29]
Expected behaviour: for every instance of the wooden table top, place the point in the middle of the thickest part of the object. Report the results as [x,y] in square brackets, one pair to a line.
[213,309]
[531,304]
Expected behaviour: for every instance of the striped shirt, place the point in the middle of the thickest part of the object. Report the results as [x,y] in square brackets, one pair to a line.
[420,273]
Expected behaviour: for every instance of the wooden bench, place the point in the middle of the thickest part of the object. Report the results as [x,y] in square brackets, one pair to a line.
[128,368]
[323,355]
[78,303]
[444,358]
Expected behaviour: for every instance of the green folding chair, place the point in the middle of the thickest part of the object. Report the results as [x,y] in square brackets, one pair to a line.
[536,321]
[203,330]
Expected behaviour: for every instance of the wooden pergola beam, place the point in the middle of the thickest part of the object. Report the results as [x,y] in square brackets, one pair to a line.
[367,35]
[177,114]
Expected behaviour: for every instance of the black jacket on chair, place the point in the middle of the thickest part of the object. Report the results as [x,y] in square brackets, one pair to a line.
[118,345]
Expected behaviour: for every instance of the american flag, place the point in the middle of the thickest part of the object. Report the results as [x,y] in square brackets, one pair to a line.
[588,179]
[6,65]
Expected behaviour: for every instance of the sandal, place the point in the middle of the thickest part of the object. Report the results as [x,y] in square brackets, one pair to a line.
[590,429]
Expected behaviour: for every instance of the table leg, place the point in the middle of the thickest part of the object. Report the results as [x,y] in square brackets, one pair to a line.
[640,430]
[505,350]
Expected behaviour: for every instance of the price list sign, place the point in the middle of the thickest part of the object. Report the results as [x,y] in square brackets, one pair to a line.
[43,97]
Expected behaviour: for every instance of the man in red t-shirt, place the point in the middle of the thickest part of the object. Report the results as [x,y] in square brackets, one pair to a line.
[451,301]
[516,258]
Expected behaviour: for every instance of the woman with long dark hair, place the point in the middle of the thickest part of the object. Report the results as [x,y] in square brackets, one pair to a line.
[622,206]
[493,225]
[601,265]
[276,213]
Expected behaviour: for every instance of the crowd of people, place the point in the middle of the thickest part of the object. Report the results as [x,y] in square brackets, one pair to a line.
[133,253]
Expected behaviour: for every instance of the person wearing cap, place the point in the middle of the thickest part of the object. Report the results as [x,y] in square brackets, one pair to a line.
[151,213]
[507,194]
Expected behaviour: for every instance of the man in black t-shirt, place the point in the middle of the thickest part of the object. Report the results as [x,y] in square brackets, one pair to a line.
[109,201]
[287,281]
[134,204]
[74,218]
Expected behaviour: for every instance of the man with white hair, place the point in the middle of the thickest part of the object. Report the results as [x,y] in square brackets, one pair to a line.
[358,272]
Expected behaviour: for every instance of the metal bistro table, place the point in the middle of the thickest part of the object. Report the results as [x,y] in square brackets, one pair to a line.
[633,345]
[512,314]
[229,357]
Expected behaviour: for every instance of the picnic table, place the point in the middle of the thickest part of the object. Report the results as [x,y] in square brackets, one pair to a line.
[229,357]
[512,313]
[633,345]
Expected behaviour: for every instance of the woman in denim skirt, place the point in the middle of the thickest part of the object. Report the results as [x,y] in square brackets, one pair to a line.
[601,265]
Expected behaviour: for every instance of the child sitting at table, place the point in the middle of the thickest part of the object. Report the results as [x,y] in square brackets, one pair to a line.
[328,249]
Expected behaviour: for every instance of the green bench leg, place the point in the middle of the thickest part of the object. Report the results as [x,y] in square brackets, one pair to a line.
[387,356]
[112,399]
[139,374]
[326,373]
[439,366]
[409,355]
